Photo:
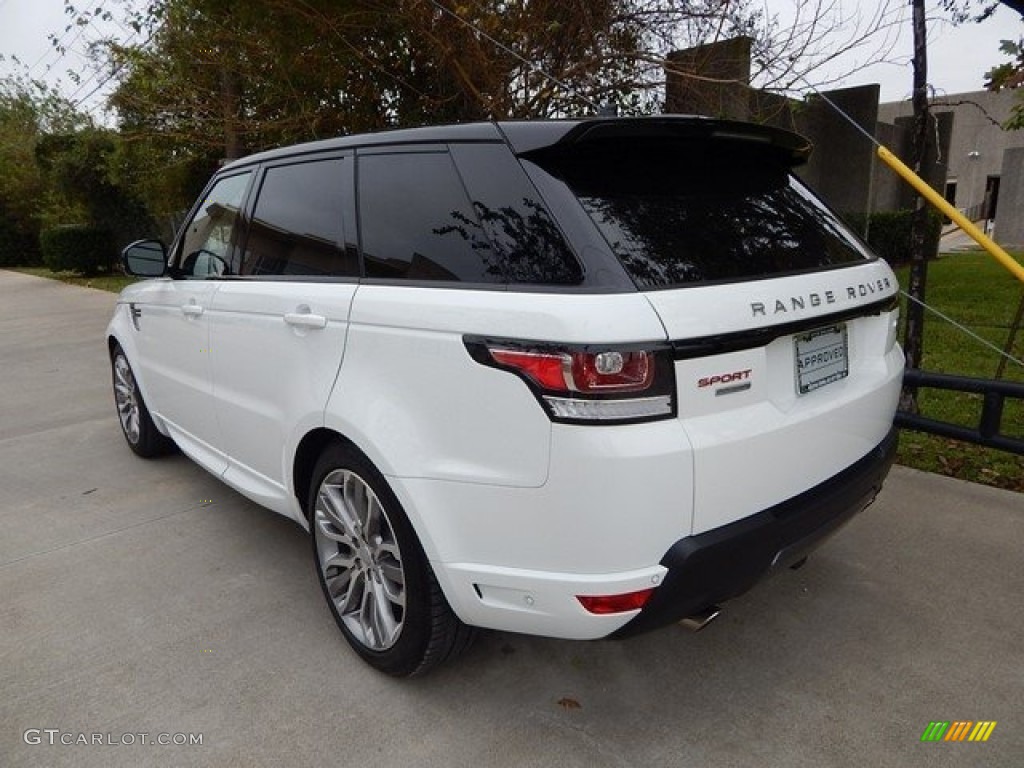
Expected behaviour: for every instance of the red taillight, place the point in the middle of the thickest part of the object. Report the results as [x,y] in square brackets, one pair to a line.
[545,369]
[591,372]
[603,604]
[588,384]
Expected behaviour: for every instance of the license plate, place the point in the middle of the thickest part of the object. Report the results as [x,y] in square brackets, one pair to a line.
[821,358]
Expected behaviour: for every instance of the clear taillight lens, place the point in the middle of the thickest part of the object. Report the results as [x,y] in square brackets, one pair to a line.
[588,385]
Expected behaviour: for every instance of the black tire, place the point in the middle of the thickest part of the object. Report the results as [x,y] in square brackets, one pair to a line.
[137,425]
[357,521]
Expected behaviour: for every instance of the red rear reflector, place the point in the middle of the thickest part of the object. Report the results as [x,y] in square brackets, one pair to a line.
[631,601]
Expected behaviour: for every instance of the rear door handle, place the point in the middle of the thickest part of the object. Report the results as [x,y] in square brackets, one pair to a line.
[305,320]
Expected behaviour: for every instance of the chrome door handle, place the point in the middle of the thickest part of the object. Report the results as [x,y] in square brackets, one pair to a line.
[305,320]
[191,310]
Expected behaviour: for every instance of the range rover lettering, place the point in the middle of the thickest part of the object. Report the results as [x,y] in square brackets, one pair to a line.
[576,378]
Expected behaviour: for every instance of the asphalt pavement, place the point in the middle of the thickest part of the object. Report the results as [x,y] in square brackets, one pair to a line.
[144,597]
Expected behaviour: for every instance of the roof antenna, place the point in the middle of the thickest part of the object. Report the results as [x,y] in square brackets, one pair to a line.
[608,110]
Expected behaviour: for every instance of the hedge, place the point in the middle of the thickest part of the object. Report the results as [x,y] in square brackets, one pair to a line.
[83,249]
[889,232]
[17,247]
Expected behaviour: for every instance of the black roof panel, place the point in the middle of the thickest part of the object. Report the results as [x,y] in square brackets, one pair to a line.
[533,135]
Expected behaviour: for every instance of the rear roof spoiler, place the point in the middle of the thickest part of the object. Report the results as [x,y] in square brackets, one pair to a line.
[526,138]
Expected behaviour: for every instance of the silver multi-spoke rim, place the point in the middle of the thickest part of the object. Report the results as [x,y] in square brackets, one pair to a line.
[360,559]
[127,399]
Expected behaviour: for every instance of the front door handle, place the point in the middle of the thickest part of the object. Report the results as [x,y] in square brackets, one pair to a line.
[305,320]
[191,309]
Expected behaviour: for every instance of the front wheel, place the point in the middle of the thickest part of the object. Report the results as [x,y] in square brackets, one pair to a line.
[373,572]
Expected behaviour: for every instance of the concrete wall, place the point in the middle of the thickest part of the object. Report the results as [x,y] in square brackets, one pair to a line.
[843,169]
[840,167]
[1009,229]
[710,80]
[978,141]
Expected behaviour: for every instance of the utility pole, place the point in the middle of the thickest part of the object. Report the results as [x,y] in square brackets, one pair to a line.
[913,335]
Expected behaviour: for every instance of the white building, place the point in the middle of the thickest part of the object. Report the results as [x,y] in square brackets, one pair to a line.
[985,163]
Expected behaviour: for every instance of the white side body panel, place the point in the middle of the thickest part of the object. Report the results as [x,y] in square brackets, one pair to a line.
[170,353]
[410,396]
[272,378]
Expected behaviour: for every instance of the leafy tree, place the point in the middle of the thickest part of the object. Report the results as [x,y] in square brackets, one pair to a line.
[215,78]
[201,81]
[83,189]
[28,111]
[1010,75]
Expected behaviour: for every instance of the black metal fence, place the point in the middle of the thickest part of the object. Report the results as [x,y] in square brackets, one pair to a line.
[989,431]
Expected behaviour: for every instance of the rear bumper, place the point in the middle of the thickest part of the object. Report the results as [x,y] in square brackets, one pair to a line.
[726,562]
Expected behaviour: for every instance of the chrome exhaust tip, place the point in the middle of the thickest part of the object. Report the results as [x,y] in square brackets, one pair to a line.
[701,619]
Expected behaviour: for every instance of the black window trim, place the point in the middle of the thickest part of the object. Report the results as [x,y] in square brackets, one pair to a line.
[602,271]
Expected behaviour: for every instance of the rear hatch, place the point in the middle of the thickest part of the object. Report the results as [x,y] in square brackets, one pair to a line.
[781,321]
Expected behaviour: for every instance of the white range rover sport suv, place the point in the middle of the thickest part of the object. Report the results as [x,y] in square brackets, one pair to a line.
[569,378]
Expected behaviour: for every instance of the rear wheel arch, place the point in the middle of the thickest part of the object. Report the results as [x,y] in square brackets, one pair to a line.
[307,453]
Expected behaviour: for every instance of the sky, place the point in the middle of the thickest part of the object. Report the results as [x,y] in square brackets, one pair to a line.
[958,56]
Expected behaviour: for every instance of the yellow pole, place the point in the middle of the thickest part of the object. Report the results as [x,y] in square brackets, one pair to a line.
[940,202]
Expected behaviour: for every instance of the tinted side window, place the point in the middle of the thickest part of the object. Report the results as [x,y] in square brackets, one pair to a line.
[417,223]
[530,244]
[297,226]
[206,246]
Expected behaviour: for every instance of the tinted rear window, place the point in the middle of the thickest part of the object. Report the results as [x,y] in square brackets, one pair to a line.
[678,213]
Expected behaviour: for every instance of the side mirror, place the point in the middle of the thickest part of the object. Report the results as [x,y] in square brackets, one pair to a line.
[145,258]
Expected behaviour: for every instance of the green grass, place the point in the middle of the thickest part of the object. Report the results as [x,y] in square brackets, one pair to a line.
[113,283]
[976,291]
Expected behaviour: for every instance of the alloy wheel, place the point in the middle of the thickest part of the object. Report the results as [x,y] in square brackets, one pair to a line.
[360,560]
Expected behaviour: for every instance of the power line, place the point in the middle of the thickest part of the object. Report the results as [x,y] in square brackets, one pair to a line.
[58,43]
[966,330]
[95,73]
[117,70]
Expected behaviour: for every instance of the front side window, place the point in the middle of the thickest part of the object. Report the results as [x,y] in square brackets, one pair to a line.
[678,214]
[297,226]
[206,247]
[417,222]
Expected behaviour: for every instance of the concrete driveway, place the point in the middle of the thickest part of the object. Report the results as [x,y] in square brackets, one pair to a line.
[146,598]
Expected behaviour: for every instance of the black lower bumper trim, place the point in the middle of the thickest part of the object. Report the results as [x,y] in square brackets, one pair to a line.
[723,563]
